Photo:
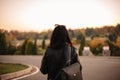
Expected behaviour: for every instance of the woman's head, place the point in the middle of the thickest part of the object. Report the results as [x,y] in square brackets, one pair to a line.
[60,37]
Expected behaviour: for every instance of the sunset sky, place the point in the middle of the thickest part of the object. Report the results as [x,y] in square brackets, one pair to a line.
[38,15]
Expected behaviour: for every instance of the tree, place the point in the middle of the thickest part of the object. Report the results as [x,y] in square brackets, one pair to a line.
[23,48]
[71,33]
[96,46]
[29,47]
[89,31]
[117,30]
[79,36]
[11,49]
[112,37]
[114,46]
[82,43]
[114,41]
[43,44]
[35,49]
[97,50]
[3,43]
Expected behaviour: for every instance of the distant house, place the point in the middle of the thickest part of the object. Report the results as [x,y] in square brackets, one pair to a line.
[106,51]
[15,43]
[87,52]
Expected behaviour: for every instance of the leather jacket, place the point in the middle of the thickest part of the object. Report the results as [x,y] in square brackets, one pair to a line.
[55,59]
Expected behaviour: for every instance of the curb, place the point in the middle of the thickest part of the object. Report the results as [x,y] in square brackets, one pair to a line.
[16,74]
[32,73]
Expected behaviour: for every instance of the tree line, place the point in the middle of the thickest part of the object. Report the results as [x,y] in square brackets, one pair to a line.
[28,47]
[73,33]
[78,37]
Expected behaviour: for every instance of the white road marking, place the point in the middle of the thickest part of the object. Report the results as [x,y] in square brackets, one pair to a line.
[37,70]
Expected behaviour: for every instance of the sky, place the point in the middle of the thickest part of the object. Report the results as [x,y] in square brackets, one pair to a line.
[38,15]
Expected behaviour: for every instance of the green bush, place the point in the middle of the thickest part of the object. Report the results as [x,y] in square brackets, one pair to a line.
[40,51]
[29,48]
[97,50]
[115,50]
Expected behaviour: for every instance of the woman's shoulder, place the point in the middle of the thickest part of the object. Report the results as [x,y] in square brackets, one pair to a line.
[49,50]
[72,47]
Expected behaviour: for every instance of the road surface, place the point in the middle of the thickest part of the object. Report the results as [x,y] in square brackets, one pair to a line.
[94,68]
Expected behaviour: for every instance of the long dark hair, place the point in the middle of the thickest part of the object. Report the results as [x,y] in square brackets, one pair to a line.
[60,37]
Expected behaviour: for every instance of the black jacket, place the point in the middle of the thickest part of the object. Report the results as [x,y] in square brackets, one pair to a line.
[55,59]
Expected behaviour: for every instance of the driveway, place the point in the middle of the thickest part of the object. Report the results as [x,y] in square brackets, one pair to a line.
[94,68]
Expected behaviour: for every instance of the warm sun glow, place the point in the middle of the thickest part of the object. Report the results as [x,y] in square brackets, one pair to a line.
[74,15]
[42,15]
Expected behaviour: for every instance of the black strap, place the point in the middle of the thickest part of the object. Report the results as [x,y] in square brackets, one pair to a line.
[69,51]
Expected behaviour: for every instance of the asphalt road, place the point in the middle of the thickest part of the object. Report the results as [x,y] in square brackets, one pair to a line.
[94,68]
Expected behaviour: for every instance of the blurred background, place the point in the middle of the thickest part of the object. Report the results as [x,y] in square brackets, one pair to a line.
[93,25]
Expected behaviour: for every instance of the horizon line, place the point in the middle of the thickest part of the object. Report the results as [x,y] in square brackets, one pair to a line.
[44,30]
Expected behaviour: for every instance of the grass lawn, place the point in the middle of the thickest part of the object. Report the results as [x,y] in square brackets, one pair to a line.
[11,67]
